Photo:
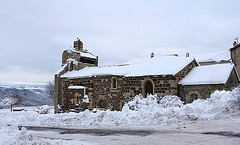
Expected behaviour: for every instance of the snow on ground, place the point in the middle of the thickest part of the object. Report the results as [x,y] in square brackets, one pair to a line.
[146,113]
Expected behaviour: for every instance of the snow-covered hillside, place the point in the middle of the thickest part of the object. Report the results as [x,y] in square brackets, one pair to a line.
[32,95]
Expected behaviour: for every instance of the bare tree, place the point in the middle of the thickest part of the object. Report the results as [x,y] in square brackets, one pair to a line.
[49,89]
[11,100]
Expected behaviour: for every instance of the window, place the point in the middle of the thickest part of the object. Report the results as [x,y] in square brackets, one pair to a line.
[71,66]
[86,60]
[114,83]
[193,97]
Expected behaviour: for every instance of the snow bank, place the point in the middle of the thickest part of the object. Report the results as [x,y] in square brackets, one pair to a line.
[45,109]
[167,111]
[11,135]
[145,111]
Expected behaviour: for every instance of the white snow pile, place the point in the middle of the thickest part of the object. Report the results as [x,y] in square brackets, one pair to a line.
[170,101]
[140,103]
[147,111]
[85,99]
[11,135]
[45,109]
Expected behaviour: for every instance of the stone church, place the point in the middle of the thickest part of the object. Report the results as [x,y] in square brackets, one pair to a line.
[109,87]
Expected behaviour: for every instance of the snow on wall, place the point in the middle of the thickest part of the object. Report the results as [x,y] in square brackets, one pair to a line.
[77,87]
[209,74]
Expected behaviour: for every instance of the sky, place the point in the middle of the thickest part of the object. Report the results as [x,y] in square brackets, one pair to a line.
[34,33]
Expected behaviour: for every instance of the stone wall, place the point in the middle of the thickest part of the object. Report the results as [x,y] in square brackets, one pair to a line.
[162,85]
[233,80]
[235,55]
[104,94]
[99,90]
[181,74]
[71,60]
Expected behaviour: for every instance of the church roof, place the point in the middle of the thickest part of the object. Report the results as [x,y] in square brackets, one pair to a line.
[84,53]
[209,74]
[213,56]
[162,65]
[88,55]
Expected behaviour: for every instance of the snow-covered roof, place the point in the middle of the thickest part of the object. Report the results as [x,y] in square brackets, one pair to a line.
[214,56]
[72,50]
[61,69]
[82,53]
[87,54]
[77,87]
[163,65]
[209,74]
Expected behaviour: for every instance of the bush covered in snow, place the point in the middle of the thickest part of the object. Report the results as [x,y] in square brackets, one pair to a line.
[45,109]
[170,101]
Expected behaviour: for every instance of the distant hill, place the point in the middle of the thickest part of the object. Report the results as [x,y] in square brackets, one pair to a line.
[33,95]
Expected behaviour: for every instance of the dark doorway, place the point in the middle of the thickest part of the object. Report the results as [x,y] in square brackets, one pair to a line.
[148,88]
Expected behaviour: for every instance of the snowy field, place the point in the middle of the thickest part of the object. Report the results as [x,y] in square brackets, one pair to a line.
[142,121]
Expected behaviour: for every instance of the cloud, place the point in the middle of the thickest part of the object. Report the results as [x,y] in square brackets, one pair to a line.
[23,75]
[33,34]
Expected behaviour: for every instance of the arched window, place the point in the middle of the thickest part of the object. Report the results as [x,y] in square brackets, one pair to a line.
[148,88]
[71,66]
[114,83]
[193,97]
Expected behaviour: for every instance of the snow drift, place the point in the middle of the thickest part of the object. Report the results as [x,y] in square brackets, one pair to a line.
[169,111]
[146,111]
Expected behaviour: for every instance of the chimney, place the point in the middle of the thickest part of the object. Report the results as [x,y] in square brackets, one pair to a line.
[235,42]
[187,54]
[152,55]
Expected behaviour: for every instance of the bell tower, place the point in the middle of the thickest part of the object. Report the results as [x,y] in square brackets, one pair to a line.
[78,45]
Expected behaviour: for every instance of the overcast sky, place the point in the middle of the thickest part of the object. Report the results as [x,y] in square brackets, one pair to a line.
[33,33]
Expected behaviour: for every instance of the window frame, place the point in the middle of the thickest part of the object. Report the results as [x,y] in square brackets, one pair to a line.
[114,83]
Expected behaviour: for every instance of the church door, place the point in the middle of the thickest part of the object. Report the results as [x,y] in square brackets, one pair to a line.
[148,88]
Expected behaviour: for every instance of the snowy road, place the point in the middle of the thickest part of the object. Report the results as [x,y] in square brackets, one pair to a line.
[190,134]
